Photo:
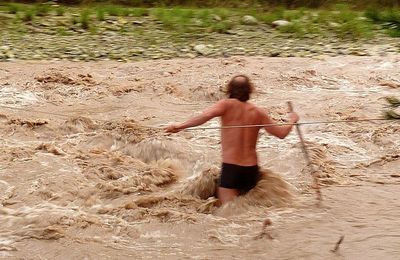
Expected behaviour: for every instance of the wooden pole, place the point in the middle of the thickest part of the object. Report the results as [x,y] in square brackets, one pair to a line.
[307,157]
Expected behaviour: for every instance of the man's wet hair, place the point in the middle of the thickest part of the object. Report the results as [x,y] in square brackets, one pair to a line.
[240,87]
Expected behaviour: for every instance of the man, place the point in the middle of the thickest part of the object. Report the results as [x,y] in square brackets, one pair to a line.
[240,165]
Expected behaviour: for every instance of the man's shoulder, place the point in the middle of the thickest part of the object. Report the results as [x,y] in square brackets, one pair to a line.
[257,108]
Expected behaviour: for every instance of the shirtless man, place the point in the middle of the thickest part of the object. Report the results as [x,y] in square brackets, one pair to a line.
[239,157]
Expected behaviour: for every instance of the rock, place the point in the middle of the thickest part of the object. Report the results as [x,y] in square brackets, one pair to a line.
[216,18]
[232,32]
[358,53]
[202,49]
[45,24]
[9,55]
[36,56]
[5,48]
[249,20]
[334,25]
[197,22]
[280,23]
[122,21]
[275,54]
[190,55]
[136,22]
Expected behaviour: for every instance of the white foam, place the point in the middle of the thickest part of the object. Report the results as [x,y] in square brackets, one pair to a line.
[11,96]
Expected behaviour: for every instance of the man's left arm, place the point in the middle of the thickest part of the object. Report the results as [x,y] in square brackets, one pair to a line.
[218,109]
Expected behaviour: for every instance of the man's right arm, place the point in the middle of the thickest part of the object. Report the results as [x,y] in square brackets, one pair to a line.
[278,131]
[218,109]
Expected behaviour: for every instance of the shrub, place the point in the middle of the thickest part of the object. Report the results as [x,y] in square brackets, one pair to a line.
[85,19]
[42,9]
[113,10]
[62,31]
[137,12]
[13,8]
[28,15]
[354,29]
[389,19]
[294,28]
[372,14]
[125,11]
[100,14]
[277,14]
[60,11]
[222,27]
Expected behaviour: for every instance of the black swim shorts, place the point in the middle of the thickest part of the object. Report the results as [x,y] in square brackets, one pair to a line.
[242,178]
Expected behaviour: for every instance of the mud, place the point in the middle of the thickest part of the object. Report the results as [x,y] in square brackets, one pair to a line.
[87,171]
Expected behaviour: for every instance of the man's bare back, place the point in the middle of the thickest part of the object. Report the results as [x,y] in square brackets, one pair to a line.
[239,154]
[239,144]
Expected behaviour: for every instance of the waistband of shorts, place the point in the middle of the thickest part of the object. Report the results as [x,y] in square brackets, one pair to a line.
[237,165]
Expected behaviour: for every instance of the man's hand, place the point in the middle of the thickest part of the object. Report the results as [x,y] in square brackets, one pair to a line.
[173,129]
[294,117]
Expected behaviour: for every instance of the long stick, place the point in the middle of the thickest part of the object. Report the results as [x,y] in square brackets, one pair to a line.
[307,157]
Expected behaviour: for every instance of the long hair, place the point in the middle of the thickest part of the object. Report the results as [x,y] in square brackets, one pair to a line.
[240,87]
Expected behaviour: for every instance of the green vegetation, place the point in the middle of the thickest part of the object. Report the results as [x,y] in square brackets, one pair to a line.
[13,8]
[60,11]
[339,20]
[28,15]
[85,19]
[246,30]
[388,19]
[42,9]
[234,3]
[100,14]
[138,12]
[62,31]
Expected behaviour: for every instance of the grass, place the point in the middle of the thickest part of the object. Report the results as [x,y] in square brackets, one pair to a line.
[113,10]
[269,17]
[13,8]
[28,15]
[62,31]
[338,21]
[100,14]
[60,10]
[388,19]
[42,9]
[196,20]
[139,12]
[84,19]
[295,28]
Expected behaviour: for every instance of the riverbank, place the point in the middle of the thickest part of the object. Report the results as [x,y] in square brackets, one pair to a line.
[32,32]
